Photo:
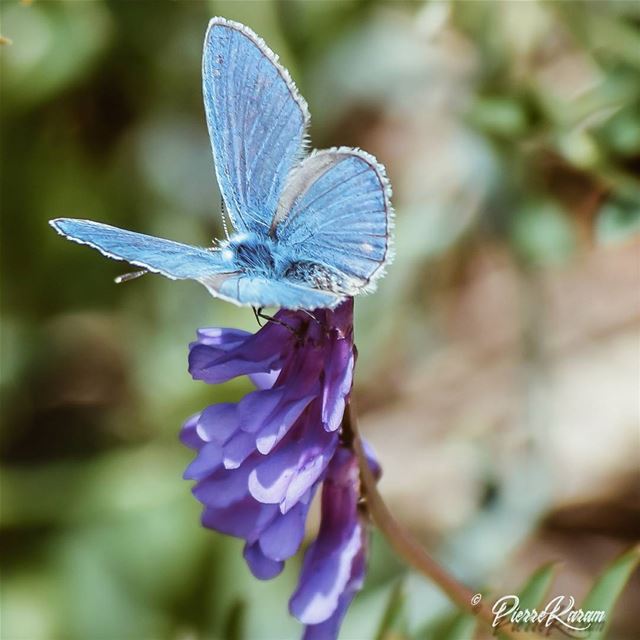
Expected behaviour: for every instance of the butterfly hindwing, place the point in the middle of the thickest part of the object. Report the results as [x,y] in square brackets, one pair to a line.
[336,211]
[171,259]
[257,122]
[243,289]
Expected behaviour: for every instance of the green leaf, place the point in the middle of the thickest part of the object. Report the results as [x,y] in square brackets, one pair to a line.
[617,221]
[533,591]
[393,612]
[499,115]
[608,587]
[455,626]
[543,234]
[235,620]
[53,46]
[537,586]
[462,627]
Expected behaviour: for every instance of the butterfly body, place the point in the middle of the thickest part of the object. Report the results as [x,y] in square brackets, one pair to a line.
[309,230]
[261,256]
[254,254]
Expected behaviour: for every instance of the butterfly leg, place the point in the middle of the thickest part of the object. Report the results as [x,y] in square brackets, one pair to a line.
[258,314]
[308,313]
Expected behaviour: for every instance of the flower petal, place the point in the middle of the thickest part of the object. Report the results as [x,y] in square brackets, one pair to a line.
[208,460]
[244,519]
[331,562]
[224,487]
[328,630]
[215,360]
[339,379]
[307,474]
[262,567]
[238,449]
[278,423]
[300,459]
[257,406]
[189,435]
[268,482]
[283,537]
[372,459]
[221,337]
[323,579]
[218,422]
[264,380]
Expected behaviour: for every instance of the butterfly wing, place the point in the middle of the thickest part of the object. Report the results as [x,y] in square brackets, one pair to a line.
[244,290]
[181,261]
[171,259]
[336,211]
[256,119]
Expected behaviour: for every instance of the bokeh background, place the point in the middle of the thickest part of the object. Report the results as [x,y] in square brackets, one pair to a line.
[499,368]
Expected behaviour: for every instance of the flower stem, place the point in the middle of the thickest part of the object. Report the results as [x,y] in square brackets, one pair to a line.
[406,547]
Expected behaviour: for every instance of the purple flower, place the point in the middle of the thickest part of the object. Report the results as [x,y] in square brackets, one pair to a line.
[334,565]
[260,461]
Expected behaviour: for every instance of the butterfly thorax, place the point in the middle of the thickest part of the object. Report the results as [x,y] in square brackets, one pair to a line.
[253,253]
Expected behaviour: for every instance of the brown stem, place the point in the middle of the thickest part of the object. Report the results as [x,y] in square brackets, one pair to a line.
[407,548]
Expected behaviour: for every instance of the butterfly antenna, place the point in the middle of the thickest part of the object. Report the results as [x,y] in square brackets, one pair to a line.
[223,208]
[125,277]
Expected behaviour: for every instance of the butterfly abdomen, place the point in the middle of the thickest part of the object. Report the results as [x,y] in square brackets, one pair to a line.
[315,275]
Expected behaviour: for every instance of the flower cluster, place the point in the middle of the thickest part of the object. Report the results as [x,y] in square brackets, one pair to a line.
[260,461]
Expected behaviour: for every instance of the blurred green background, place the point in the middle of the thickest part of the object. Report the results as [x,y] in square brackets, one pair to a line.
[499,361]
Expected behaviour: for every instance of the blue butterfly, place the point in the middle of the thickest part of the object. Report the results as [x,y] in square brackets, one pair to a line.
[309,230]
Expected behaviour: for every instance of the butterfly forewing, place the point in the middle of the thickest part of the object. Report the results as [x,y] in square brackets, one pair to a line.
[171,259]
[257,122]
